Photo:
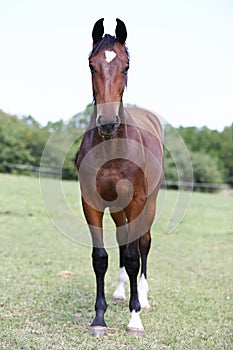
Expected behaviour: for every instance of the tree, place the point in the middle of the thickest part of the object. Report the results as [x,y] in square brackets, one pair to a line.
[14,141]
[218,145]
[205,169]
[225,156]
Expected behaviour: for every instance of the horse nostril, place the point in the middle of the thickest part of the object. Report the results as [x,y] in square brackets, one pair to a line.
[118,120]
[99,120]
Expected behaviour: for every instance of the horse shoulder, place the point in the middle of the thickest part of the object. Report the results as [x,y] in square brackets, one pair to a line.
[145,120]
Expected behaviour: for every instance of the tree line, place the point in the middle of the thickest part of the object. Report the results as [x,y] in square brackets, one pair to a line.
[23,141]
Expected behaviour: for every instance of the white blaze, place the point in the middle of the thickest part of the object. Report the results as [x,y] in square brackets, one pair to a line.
[110,55]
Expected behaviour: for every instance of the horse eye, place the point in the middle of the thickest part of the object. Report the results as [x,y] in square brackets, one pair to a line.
[92,69]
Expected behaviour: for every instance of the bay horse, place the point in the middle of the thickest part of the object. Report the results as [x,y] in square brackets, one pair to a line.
[120,166]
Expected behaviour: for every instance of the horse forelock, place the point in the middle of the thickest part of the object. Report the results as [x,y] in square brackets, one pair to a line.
[106,43]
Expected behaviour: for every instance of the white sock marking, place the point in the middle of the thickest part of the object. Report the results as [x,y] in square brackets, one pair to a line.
[135,321]
[142,292]
[110,55]
[123,278]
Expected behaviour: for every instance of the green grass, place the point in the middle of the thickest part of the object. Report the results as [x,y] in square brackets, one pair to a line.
[190,278]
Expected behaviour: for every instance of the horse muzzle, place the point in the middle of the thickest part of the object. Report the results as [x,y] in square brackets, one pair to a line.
[107,127]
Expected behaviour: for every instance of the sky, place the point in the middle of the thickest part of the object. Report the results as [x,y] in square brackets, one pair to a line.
[181,57]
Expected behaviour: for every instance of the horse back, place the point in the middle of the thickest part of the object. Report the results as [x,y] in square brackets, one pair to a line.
[149,127]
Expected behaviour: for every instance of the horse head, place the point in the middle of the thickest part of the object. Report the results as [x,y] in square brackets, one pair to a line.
[109,64]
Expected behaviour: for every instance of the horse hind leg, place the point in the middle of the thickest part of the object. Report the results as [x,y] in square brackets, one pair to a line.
[121,233]
[119,293]
[144,247]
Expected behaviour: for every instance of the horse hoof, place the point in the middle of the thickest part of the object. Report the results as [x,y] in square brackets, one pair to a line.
[136,332]
[98,331]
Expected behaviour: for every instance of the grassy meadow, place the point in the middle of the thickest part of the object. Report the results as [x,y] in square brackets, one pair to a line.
[47,286]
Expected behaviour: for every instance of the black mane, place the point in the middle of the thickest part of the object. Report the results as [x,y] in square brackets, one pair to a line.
[106,43]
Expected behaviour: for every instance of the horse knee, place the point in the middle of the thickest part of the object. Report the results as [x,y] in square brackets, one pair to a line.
[100,261]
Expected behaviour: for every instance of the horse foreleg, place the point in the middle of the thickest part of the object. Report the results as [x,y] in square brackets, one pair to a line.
[100,265]
[135,326]
[144,246]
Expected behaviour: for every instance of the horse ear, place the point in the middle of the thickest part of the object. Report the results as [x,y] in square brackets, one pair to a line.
[121,32]
[98,31]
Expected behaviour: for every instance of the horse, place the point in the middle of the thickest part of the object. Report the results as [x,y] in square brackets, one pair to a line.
[120,167]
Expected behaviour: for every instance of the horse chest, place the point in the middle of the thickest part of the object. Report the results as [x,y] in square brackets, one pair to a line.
[108,178]
[113,171]
[118,182]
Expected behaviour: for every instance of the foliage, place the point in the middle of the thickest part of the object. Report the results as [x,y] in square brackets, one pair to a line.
[210,150]
[225,156]
[218,145]
[205,168]
[22,141]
